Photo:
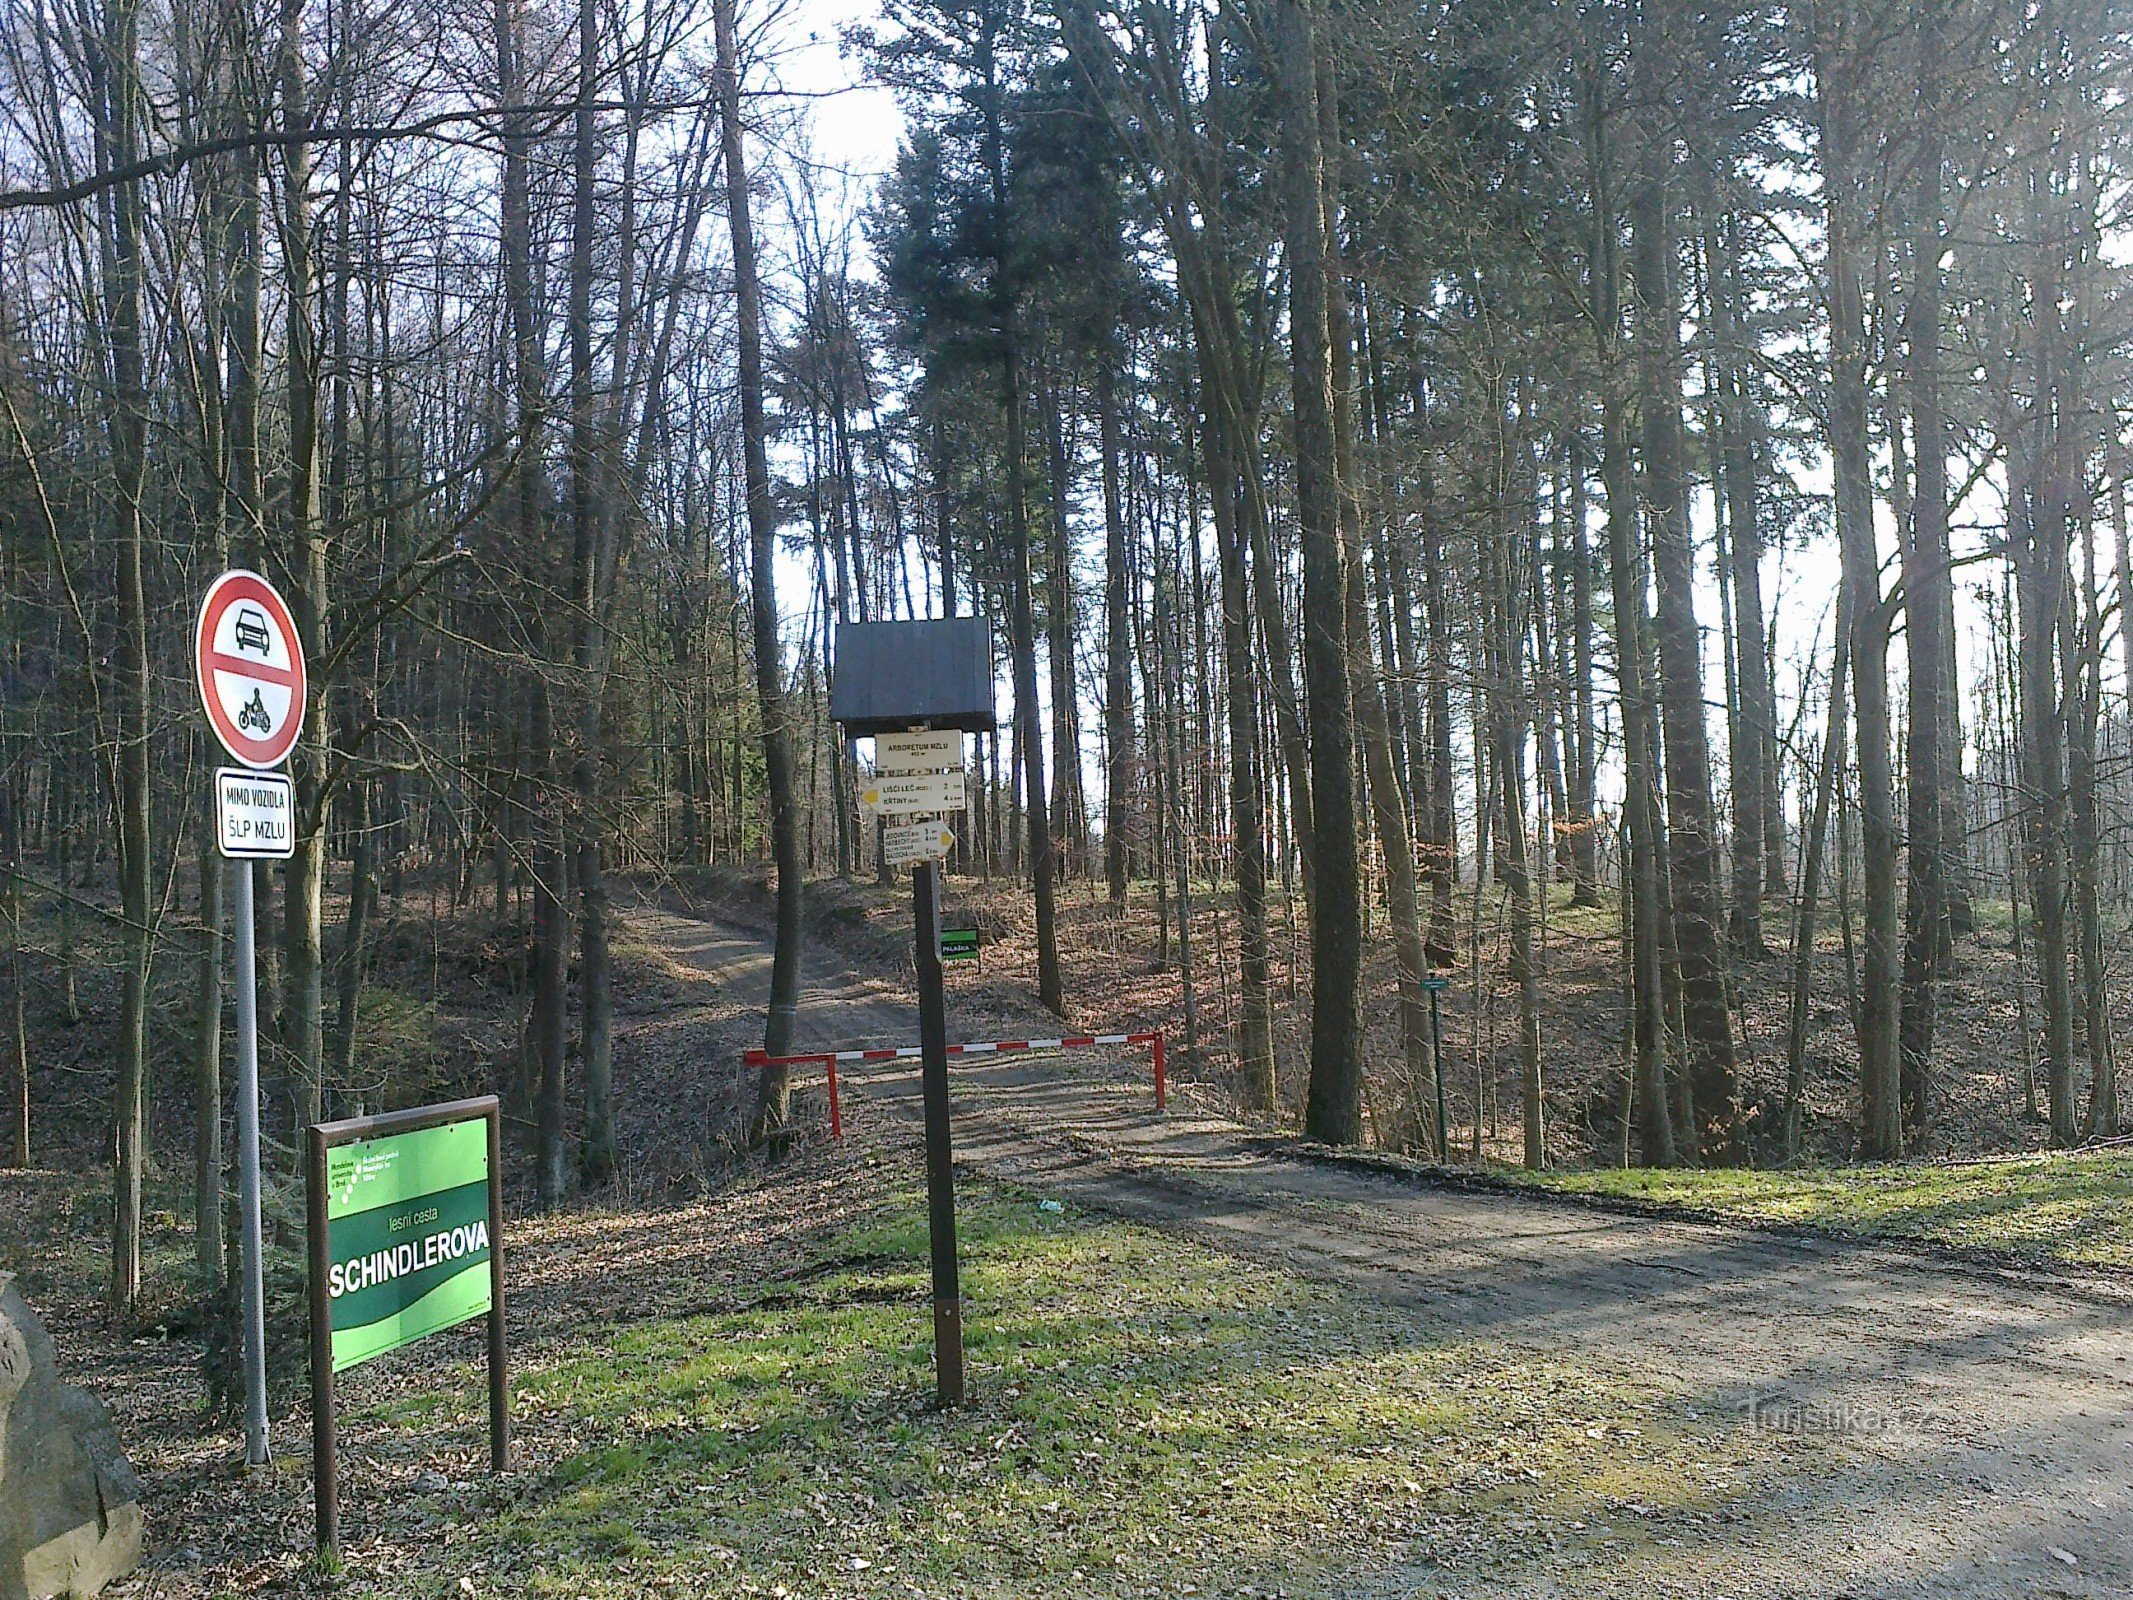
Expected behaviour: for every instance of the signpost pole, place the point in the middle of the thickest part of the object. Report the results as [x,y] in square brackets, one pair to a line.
[499,1369]
[1436,1061]
[940,1166]
[325,1460]
[252,1290]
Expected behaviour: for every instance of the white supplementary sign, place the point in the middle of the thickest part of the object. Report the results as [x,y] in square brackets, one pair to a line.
[924,751]
[255,814]
[912,794]
[905,842]
[250,666]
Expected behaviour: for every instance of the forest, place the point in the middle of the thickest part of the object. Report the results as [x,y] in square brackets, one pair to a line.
[1623,506]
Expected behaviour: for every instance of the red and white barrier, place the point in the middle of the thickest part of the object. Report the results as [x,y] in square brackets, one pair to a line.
[829,1060]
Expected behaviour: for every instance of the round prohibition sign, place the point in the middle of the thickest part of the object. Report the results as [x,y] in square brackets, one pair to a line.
[251,669]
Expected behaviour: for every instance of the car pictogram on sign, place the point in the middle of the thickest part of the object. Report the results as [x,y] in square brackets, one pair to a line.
[250,628]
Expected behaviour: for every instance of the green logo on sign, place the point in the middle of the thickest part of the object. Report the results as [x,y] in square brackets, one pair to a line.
[408,1235]
[959,944]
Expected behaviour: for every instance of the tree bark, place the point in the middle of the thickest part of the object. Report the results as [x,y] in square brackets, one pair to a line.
[1691,835]
[126,426]
[1051,992]
[1647,999]
[1334,1110]
[1440,850]
[304,883]
[1751,733]
[1118,643]
[1256,1080]
[1881,1121]
[590,533]
[1928,611]
[773,1099]
[1584,786]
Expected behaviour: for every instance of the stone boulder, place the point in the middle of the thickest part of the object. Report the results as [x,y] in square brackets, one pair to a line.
[70,1506]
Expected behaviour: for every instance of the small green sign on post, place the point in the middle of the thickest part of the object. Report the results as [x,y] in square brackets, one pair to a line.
[405,1213]
[1433,985]
[959,944]
[408,1220]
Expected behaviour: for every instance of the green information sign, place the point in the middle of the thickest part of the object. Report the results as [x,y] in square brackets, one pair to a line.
[409,1236]
[1434,985]
[404,1211]
[959,944]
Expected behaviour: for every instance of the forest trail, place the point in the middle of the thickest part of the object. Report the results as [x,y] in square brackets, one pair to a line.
[1979,1424]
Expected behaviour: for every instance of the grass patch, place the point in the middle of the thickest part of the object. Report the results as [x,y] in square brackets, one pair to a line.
[2075,1209]
[1146,1416]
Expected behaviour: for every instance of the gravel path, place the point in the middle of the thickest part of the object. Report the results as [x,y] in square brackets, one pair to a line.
[1979,1424]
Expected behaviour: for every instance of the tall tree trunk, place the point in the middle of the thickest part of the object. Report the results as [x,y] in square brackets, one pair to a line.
[551,962]
[1584,784]
[1811,868]
[304,884]
[1118,643]
[1256,1081]
[17,1143]
[2081,654]
[1641,872]
[590,525]
[2040,586]
[355,929]
[126,428]
[1066,809]
[1051,991]
[1508,722]
[1440,850]
[1334,1110]
[1388,803]
[531,792]
[1928,608]
[1751,733]
[1692,837]
[773,1099]
[1881,1122]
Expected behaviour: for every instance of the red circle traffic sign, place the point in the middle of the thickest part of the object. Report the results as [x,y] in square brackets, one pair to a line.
[251,669]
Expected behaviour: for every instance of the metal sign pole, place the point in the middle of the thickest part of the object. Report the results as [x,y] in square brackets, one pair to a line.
[248,664]
[940,1165]
[253,1287]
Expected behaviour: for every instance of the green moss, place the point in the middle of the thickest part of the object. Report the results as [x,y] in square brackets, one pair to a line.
[2074,1209]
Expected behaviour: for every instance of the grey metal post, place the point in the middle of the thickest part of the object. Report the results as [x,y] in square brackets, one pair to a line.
[254,1285]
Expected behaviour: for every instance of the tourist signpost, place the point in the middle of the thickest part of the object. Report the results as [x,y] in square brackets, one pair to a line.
[916,688]
[907,843]
[405,1218]
[249,664]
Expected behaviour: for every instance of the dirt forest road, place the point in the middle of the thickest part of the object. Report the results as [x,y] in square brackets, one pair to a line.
[1979,1424]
